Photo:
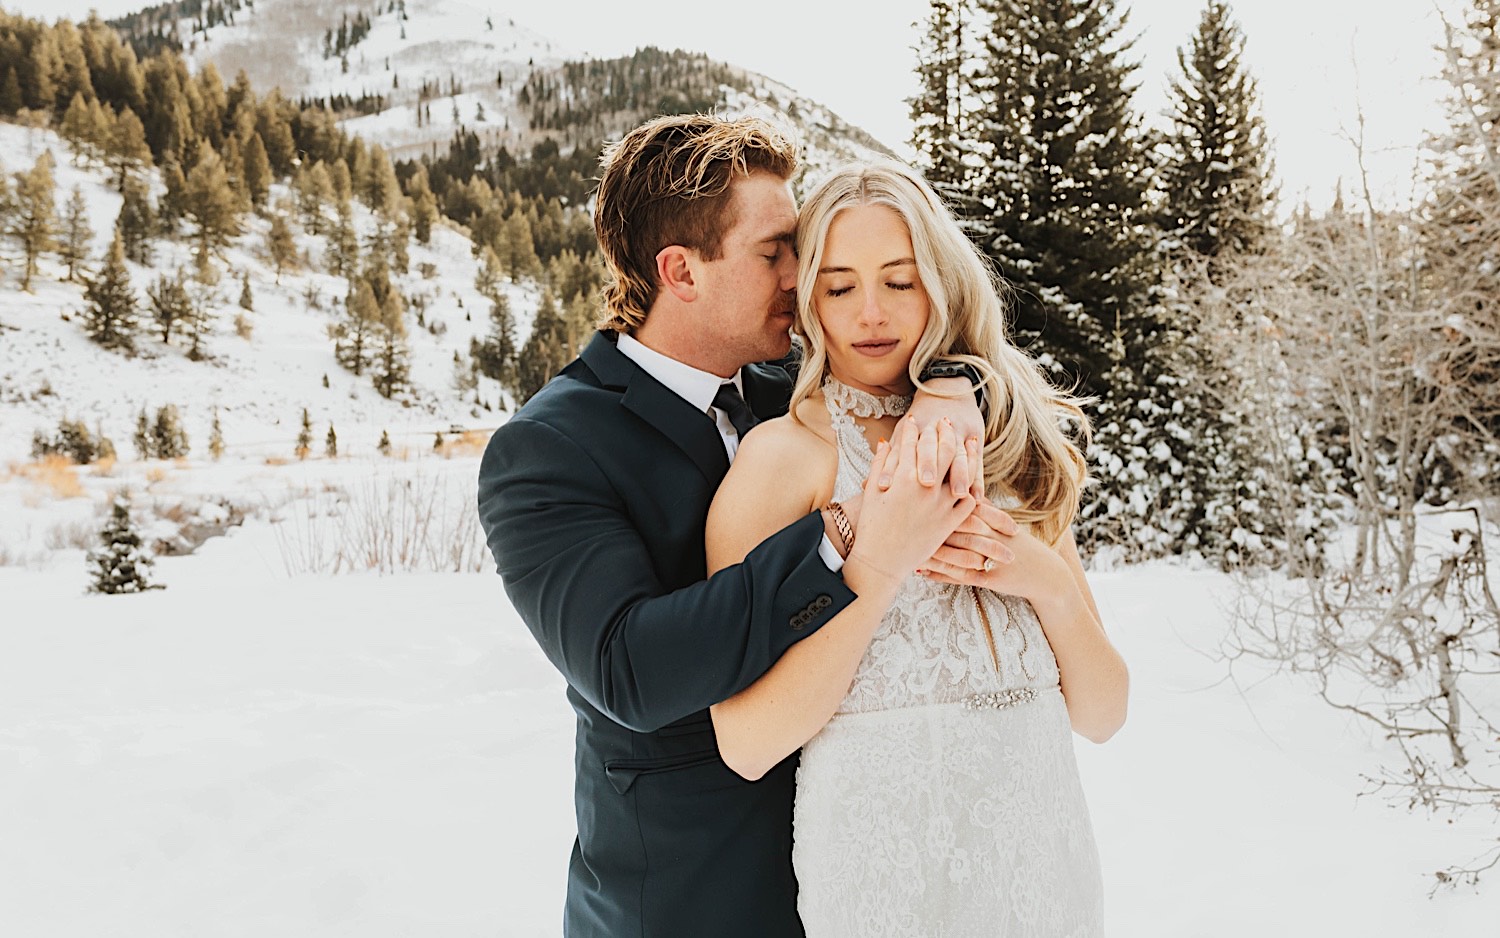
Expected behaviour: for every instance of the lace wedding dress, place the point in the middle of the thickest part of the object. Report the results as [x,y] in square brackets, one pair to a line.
[943,799]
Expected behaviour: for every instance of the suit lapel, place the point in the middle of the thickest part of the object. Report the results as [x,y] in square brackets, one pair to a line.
[692,432]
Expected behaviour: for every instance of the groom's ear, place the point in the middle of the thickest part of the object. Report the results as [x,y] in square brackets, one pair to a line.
[674,268]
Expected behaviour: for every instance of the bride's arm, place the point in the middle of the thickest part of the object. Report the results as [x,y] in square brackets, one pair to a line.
[772,481]
[1095,682]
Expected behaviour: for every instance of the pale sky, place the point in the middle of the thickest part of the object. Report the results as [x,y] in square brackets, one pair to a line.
[1303,52]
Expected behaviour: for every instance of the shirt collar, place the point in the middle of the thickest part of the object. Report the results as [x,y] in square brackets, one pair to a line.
[692,385]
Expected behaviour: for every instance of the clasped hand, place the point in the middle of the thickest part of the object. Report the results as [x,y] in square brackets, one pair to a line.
[986,547]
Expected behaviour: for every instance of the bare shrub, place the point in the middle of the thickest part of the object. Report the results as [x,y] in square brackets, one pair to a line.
[1363,388]
[390,523]
[68,535]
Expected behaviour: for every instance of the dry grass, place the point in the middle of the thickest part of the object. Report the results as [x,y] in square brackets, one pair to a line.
[468,443]
[277,460]
[386,523]
[155,474]
[81,535]
[53,474]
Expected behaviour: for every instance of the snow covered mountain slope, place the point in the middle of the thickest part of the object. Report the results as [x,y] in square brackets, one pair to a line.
[423,68]
[259,383]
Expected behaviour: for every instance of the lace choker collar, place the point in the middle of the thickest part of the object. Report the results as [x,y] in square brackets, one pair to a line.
[862,403]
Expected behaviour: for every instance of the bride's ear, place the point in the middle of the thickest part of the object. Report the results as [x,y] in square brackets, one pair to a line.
[674,268]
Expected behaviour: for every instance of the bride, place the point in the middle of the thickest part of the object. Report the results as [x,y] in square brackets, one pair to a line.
[938,793]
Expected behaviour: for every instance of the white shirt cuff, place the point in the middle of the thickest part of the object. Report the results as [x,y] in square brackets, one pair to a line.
[830,555]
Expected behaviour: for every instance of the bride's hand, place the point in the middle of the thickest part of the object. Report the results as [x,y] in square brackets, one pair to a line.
[902,526]
[1019,563]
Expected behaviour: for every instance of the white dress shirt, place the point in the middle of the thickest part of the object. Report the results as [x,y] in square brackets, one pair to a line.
[698,388]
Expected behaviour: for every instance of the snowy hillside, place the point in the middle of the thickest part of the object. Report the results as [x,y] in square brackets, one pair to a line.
[49,369]
[462,64]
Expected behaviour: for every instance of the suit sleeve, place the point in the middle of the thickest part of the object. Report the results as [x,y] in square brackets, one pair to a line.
[582,580]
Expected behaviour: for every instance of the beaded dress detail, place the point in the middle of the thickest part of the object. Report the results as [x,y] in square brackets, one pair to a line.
[943,799]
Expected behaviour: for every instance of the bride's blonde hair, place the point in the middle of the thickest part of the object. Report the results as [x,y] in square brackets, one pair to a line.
[1027,455]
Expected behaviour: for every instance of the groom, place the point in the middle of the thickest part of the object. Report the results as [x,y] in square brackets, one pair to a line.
[594,497]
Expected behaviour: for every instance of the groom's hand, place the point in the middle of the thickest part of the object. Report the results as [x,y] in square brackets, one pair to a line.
[935,460]
[984,535]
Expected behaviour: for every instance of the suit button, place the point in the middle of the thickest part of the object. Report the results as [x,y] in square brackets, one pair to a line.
[823,601]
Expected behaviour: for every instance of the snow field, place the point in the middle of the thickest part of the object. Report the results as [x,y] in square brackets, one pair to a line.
[250,753]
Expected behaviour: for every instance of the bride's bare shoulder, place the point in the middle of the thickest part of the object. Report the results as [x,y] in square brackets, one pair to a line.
[788,449]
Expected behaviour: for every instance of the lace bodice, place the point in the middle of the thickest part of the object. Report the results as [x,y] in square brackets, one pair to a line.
[931,646]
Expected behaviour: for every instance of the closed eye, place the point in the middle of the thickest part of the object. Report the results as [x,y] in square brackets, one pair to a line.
[902,286]
[840,291]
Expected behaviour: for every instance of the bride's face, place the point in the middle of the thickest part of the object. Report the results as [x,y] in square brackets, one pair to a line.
[869,300]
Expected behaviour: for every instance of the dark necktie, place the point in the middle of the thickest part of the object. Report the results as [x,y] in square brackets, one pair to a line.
[729,401]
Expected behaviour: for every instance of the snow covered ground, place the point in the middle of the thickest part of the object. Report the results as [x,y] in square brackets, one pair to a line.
[249,752]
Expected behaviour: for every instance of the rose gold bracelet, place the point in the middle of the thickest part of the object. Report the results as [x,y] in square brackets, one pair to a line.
[841,523]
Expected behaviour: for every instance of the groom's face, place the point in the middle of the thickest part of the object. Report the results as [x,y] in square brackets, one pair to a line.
[749,287]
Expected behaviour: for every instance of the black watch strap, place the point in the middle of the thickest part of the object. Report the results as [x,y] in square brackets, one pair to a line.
[941,368]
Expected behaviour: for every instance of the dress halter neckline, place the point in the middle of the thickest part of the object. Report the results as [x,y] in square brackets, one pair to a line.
[862,403]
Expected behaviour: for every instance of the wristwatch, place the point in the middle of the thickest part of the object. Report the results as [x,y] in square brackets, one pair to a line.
[942,368]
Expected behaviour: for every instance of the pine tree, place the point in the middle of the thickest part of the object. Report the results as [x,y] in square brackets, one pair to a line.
[10,93]
[938,117]
[331,443]
[247,299]
[496,355]
[169,437]
[170,303]
[1174,468]
[1059,175]
[343,243]
[111,316]
[280,244]
[257,171]
[304,436]
[424,205]
[340,181]
[145,443]
[76,234]
[127,146]
[136,221]
[314,191]
[384,446]
[216,438]
[391,368]
[119,563]
[1216,177]
[401,245]
[211,204]
[487,278]
[545,352]
[380,190]
[80,128]
[173,206]
[352,336]
[203,296]
[579,318]
[33,215]
[515,248]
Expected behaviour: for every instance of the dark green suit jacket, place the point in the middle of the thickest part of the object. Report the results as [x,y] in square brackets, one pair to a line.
[593,498]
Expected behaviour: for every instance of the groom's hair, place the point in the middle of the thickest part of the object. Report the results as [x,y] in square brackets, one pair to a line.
[668,182]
